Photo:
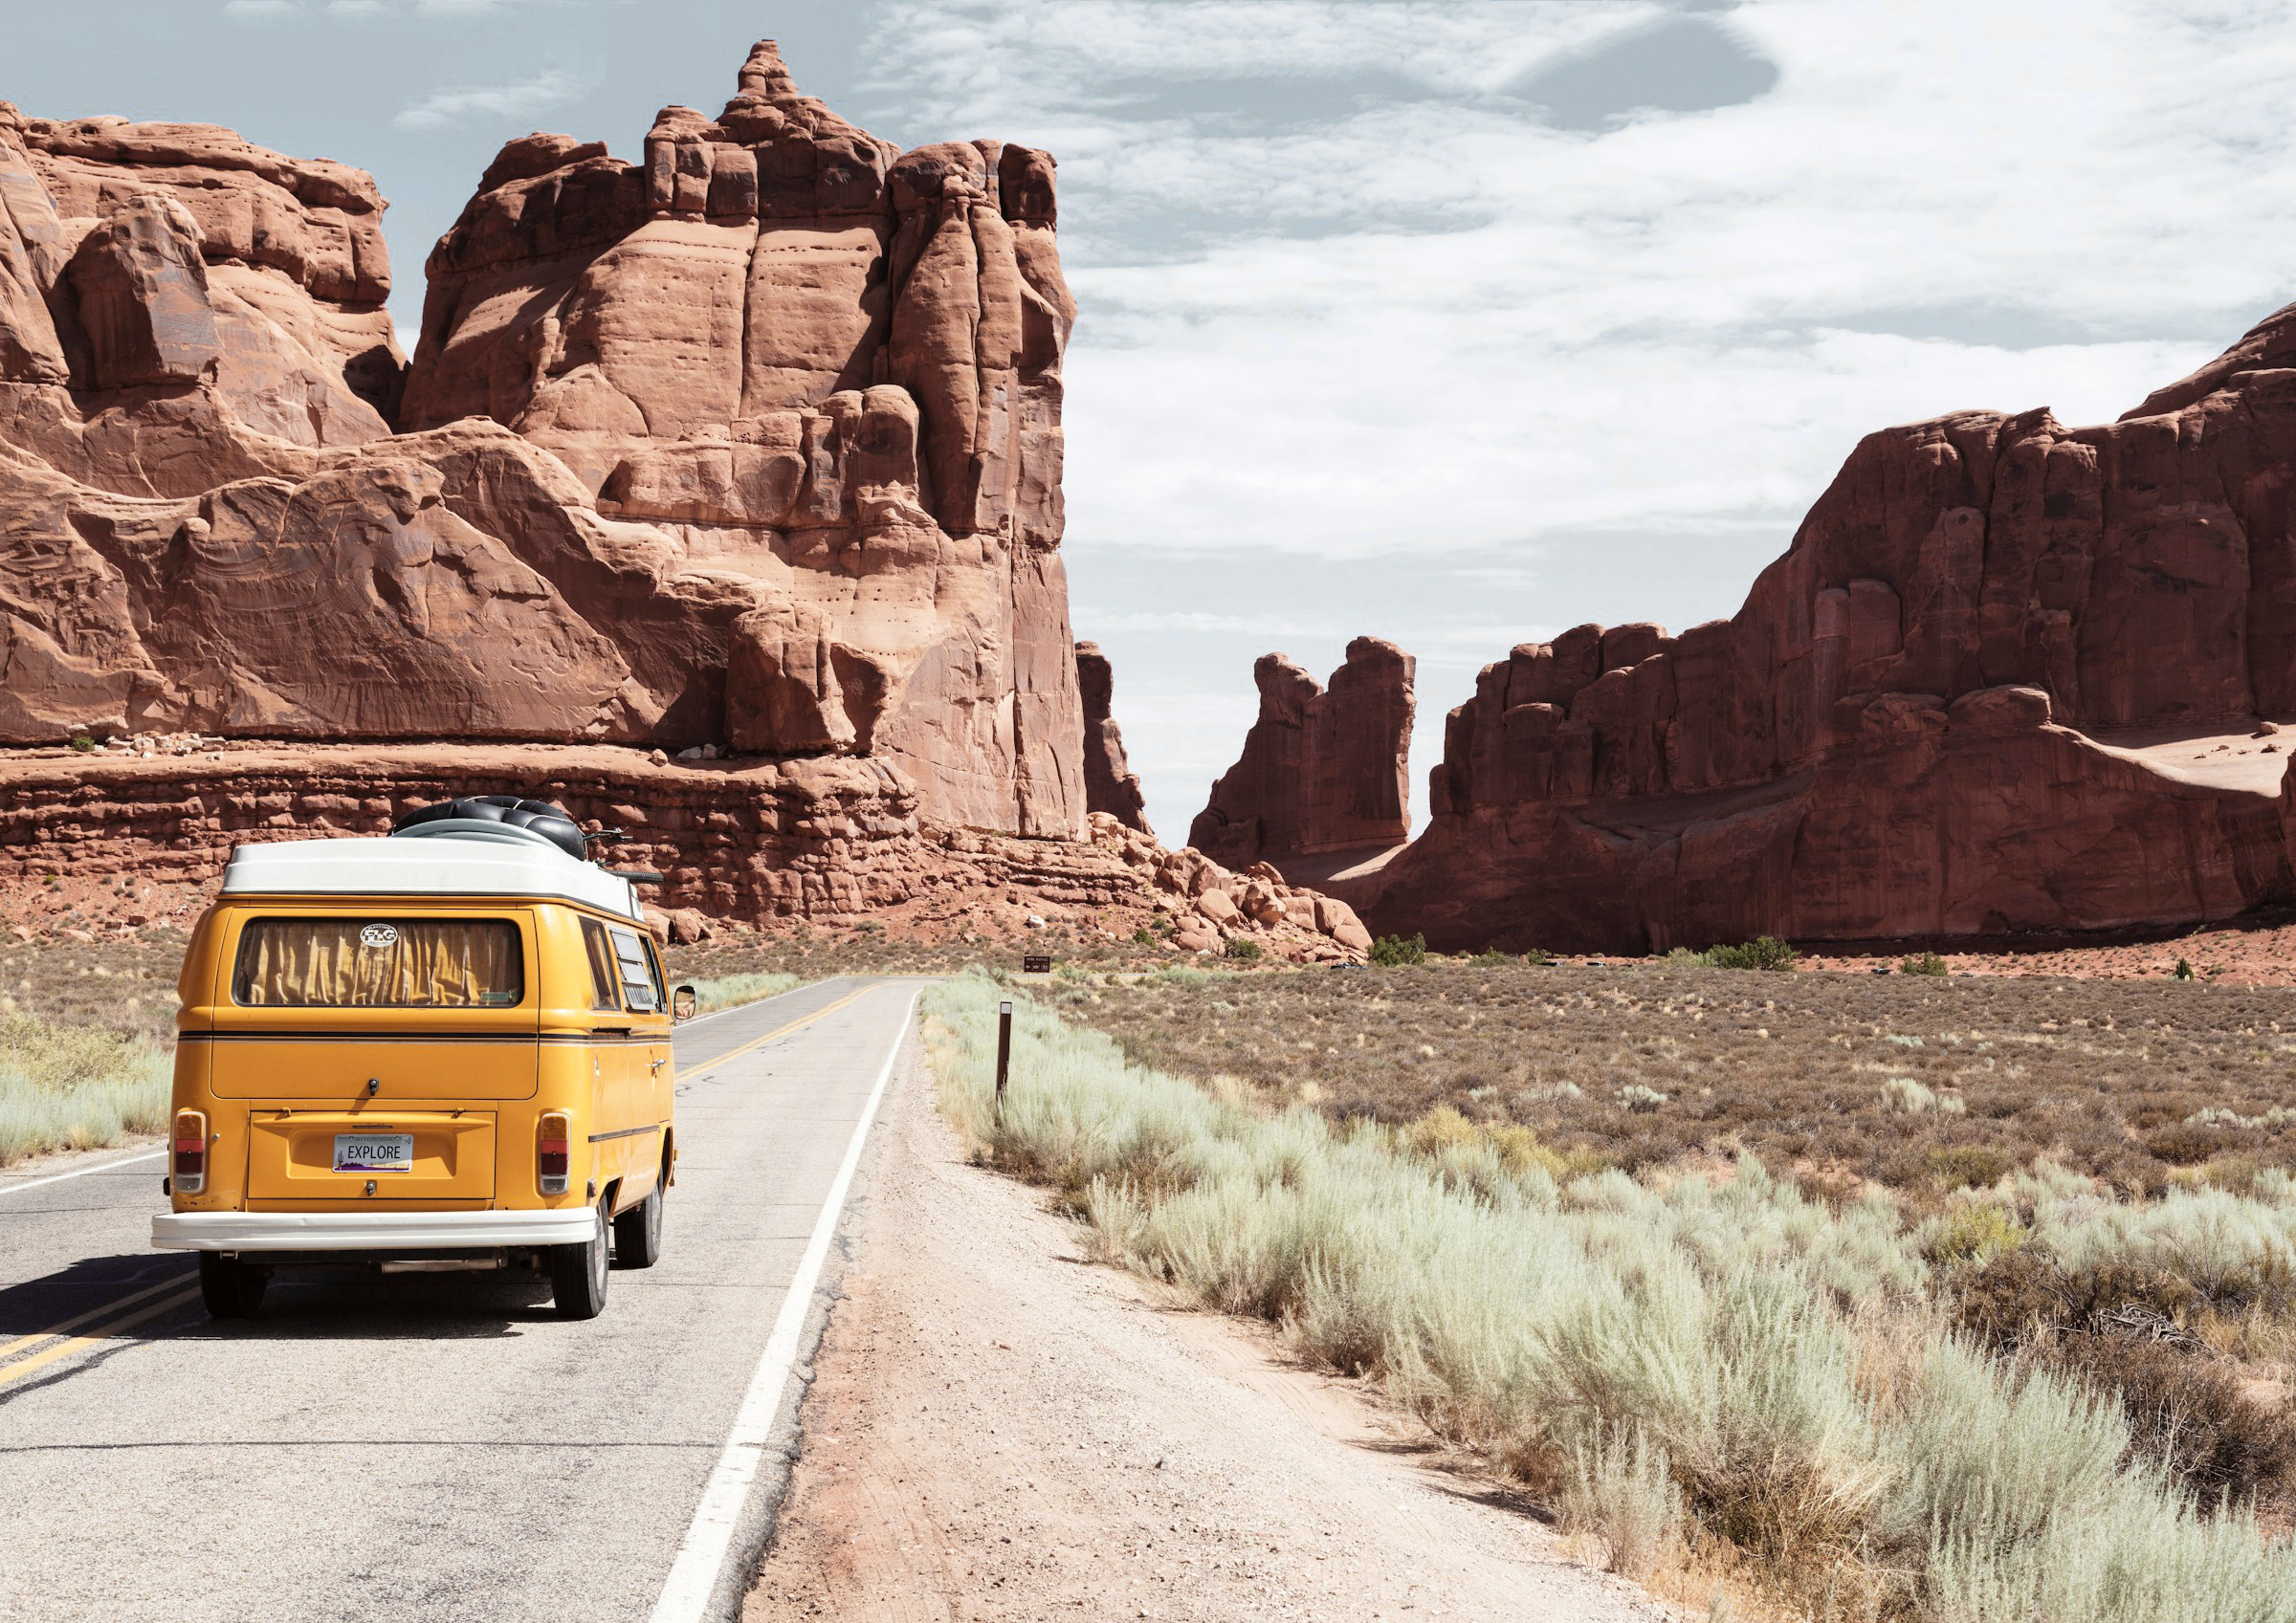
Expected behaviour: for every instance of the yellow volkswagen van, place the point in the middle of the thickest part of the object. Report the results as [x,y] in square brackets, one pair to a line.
[443,1048]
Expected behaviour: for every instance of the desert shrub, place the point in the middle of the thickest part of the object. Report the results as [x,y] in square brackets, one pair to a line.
[2186,1412]
[1921,963]
[1490,958]
[1242,948]
[2018,1294]
[1620,1487]
[727,991]
[1908,1097]
[76,1088]
[1636,1097]
[2187,1143]
[1143,936]
[1766,951]
[2184,969]
[84,742]
[1391,950]
[1967,1166]
[1719,1315]
[1970,1230]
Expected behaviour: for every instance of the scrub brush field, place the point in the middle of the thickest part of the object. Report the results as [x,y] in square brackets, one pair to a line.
[1850,1296]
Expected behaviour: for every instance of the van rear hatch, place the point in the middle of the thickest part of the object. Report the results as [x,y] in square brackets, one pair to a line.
[298,1155]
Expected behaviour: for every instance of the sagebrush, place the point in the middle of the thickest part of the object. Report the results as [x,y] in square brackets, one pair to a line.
[1780,1361]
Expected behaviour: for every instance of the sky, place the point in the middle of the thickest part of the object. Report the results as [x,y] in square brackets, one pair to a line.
[1456,324]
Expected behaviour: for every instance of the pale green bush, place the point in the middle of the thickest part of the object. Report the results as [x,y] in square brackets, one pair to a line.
[65,1087]
[1908,1097]
[1714,1317]
[1620,1487]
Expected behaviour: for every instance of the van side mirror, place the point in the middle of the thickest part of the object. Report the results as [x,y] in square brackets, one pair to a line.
[682,1003]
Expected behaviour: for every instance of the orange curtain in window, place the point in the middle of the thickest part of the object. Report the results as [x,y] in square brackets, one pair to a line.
[379,963]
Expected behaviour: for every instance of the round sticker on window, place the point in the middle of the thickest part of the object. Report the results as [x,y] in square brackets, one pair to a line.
[379,935]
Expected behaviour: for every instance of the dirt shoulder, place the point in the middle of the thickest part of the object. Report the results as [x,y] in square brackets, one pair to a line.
[1002,1430]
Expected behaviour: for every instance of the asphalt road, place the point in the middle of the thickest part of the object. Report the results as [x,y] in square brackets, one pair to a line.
[436,1446]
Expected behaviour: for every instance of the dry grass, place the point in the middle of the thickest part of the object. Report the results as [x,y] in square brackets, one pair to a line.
[75,1086]
[1721,1380]
[123,986]
[1920,1084]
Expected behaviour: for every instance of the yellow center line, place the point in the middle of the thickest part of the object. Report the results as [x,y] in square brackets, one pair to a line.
[102,1332]
[78,1319]
[779,1031]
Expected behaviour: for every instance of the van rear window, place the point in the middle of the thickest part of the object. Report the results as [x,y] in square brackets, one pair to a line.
[379,963]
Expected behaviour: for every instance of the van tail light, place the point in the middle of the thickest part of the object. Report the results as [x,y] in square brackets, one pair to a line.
[554,1151]
[191,1170]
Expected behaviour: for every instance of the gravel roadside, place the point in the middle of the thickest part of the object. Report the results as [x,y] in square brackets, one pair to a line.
[1000,1429]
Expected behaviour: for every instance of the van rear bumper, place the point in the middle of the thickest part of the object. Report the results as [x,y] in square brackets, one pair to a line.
[370,1231]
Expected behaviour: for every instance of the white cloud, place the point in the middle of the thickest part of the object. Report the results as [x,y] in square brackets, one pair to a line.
[1437,322]
[358,9]
[261,10]
[507,103]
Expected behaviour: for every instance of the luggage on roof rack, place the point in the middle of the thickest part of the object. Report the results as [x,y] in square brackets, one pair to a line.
[535,817]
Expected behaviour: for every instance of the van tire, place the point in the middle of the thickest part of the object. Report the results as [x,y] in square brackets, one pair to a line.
[577,1272]
[638,1231]
[231,1288]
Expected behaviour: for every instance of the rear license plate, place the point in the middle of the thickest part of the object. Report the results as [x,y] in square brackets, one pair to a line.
[374,1151]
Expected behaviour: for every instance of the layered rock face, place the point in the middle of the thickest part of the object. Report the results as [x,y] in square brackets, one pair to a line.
[1323,769]
[1110,785]
[833,838]
[1969,699]
[756,444]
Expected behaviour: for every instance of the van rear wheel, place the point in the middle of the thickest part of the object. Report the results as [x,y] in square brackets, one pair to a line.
[577,1272]
[231,1288]
[638,1231]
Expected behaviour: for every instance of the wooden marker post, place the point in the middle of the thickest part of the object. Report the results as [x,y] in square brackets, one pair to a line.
[1004,1052]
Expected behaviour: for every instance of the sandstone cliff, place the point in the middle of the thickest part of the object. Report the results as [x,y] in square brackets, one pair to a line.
[1110,785]
[1322,770]
[2005,680]
[755,443]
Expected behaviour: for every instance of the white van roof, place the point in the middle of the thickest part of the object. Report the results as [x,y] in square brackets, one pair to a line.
[451,857]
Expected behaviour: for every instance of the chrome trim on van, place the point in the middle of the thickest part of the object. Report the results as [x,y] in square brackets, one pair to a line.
[369,1231]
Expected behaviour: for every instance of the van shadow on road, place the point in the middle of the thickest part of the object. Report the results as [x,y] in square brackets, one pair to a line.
[301,1305]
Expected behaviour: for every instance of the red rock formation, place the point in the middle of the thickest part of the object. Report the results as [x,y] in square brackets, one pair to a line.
[829,838]
[758,443]
[1321,771]
[1110,785]
[1955,705]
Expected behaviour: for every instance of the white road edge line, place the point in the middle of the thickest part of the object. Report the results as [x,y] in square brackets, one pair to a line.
[700,1559]
[83,1171]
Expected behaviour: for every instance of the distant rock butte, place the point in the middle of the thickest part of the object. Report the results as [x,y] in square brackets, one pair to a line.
[2004,681]
[1110,785]
[1321,770]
